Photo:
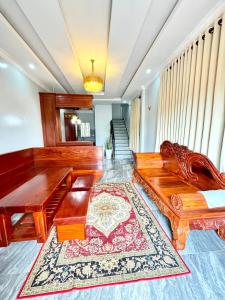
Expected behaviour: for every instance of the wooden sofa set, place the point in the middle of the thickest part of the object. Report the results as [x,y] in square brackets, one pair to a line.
[173,179]
[53,185]
[35,182]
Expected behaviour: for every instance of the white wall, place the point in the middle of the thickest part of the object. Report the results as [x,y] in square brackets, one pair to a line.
[126,115]
[103,116]
[20,117]
[150,116]
[143,121]
[116,111]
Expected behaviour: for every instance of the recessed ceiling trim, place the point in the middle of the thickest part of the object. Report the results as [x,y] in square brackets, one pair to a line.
[11,61]
[109,27]
[31,48]
[6,56]
[124,33]
[76,57]
[176,5]
[25,7]
[205,22]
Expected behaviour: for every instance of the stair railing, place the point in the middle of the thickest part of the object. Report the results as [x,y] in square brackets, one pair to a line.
[113,138]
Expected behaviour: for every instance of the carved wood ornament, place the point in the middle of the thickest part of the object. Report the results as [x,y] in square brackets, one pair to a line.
[186,211]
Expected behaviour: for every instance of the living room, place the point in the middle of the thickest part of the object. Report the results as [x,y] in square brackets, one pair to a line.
[112,153]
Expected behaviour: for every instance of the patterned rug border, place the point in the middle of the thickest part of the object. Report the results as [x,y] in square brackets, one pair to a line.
[107,284]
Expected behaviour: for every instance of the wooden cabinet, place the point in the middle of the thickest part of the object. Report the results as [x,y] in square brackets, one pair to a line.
[49,119]
[50,105]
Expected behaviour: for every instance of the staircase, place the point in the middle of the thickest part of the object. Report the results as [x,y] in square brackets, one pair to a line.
[121,142]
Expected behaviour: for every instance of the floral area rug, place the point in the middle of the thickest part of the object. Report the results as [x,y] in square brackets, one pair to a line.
[124,243]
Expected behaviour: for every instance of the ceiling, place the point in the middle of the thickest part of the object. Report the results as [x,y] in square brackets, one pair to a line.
[125,37]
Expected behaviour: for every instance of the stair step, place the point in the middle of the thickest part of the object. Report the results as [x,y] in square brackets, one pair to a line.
[120,135]
[119,152]
[121,143]
[122,147]
[120,157]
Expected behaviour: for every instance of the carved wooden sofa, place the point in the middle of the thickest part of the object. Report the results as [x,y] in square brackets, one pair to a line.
[34,182]
[173,179]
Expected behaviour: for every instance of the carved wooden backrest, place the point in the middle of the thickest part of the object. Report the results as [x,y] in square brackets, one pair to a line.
[194,167]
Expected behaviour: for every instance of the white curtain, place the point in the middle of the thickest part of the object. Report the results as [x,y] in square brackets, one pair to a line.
[191,108]
[134,137]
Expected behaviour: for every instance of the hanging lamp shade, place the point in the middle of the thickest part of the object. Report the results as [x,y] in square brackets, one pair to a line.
[93,83]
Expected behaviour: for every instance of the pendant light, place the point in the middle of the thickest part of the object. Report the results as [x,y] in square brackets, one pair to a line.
[93,83]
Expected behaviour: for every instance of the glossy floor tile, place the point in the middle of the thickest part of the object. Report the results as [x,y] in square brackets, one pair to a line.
[204,255]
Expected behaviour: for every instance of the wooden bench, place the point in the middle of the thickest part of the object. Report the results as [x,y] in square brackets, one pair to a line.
[85,160]
[83,183]
[34,181]
[173,179]
[70,219]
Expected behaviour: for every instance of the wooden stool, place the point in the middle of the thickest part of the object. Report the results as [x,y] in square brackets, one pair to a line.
[70,219]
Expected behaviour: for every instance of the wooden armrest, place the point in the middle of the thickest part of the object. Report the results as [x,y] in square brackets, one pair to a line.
[148,160]
[188,201]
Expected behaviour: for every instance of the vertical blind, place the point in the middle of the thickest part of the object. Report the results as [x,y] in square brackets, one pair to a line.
[134,136]
[191,109]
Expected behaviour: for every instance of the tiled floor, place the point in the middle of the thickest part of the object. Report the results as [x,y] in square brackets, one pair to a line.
[204,255]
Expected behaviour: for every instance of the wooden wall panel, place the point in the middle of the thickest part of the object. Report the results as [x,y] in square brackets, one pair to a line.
[79,157]
[48,116]
[50,105]
[13,160]
[74,101]
[15,168]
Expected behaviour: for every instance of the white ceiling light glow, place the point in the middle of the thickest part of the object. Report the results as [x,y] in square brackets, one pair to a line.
[148,71]
[3,65]
[32,66]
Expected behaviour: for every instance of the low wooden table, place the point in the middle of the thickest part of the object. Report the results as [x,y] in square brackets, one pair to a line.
[38,198]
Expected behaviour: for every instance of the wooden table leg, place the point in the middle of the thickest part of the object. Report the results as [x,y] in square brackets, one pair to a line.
[69,182]
[5,229]
[40,226]
[221,232]
[180,230]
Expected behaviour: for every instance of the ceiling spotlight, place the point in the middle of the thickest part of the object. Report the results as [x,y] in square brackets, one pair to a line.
[3,65]
[31,66]
[124,101]
[148,71]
